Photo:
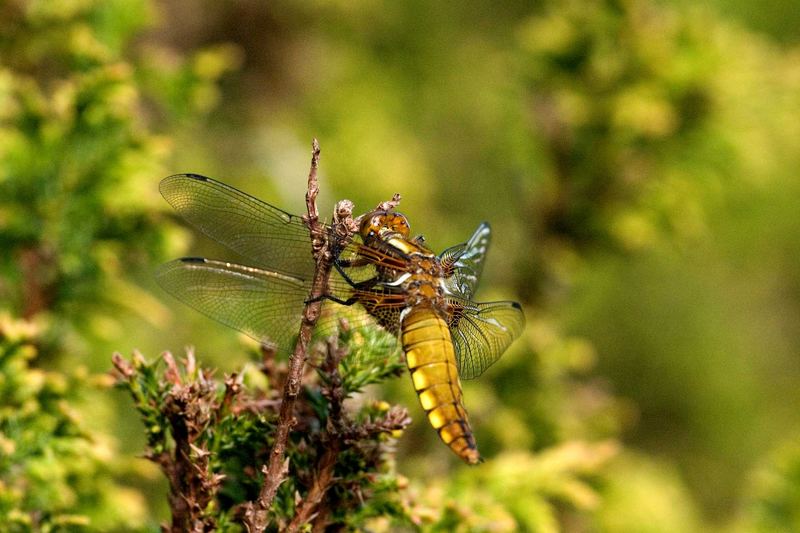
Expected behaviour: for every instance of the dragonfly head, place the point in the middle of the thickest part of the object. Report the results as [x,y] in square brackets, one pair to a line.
[384,225]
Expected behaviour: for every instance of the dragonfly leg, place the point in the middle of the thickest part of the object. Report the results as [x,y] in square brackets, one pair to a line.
[341,264]
[362,285]
[357,262]
[338,265]
[349,301]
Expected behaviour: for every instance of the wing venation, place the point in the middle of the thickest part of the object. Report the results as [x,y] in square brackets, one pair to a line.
[464,263]
[267,236]
[264,305]
[482,332]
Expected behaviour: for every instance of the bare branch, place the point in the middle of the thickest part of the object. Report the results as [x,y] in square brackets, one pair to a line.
[325,247]
[277,467]
[389,204]
[188,406]
[319,487]
[333,390]
[312,218]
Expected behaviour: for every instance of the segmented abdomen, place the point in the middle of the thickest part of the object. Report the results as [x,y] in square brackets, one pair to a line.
[431,361]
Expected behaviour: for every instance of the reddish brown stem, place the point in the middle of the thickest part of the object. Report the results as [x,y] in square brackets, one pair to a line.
[311,506]
[277,468]
[322,482]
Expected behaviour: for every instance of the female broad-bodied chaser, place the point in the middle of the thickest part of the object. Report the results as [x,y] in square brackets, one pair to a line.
[395,281]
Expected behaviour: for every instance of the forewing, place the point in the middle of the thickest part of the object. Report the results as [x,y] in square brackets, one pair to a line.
[269,237]
[266,306]
[482,332]
[463,263]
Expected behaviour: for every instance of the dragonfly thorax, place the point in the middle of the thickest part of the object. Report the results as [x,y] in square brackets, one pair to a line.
[422,281]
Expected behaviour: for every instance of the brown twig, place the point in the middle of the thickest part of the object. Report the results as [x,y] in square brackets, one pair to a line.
[277,468]
[323,479]
[189,405]
[387,205]
[333,390]
[309,507]
[233,387]
[395,419]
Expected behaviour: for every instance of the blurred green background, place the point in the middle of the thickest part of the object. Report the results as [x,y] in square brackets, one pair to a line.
[637,159]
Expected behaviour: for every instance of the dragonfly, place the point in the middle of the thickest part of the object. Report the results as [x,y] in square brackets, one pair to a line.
[382,276]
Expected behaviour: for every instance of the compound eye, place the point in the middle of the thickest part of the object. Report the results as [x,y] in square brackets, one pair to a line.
[400,225]
[370,226]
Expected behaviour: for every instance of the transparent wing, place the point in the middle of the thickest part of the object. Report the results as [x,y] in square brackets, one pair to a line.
[265,301]
[264,305]
[268,306]
[482,332]
[463,263]
[269,237]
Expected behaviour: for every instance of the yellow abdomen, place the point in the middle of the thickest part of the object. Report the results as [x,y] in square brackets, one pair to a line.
[431,361]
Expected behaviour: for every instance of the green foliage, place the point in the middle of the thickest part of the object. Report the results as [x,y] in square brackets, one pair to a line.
[77,157]
[78,223]
[616,95]
[55,473]
[374,356]
[520,491]
[212,439]
[637,161]
[774,502]
[639,493]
